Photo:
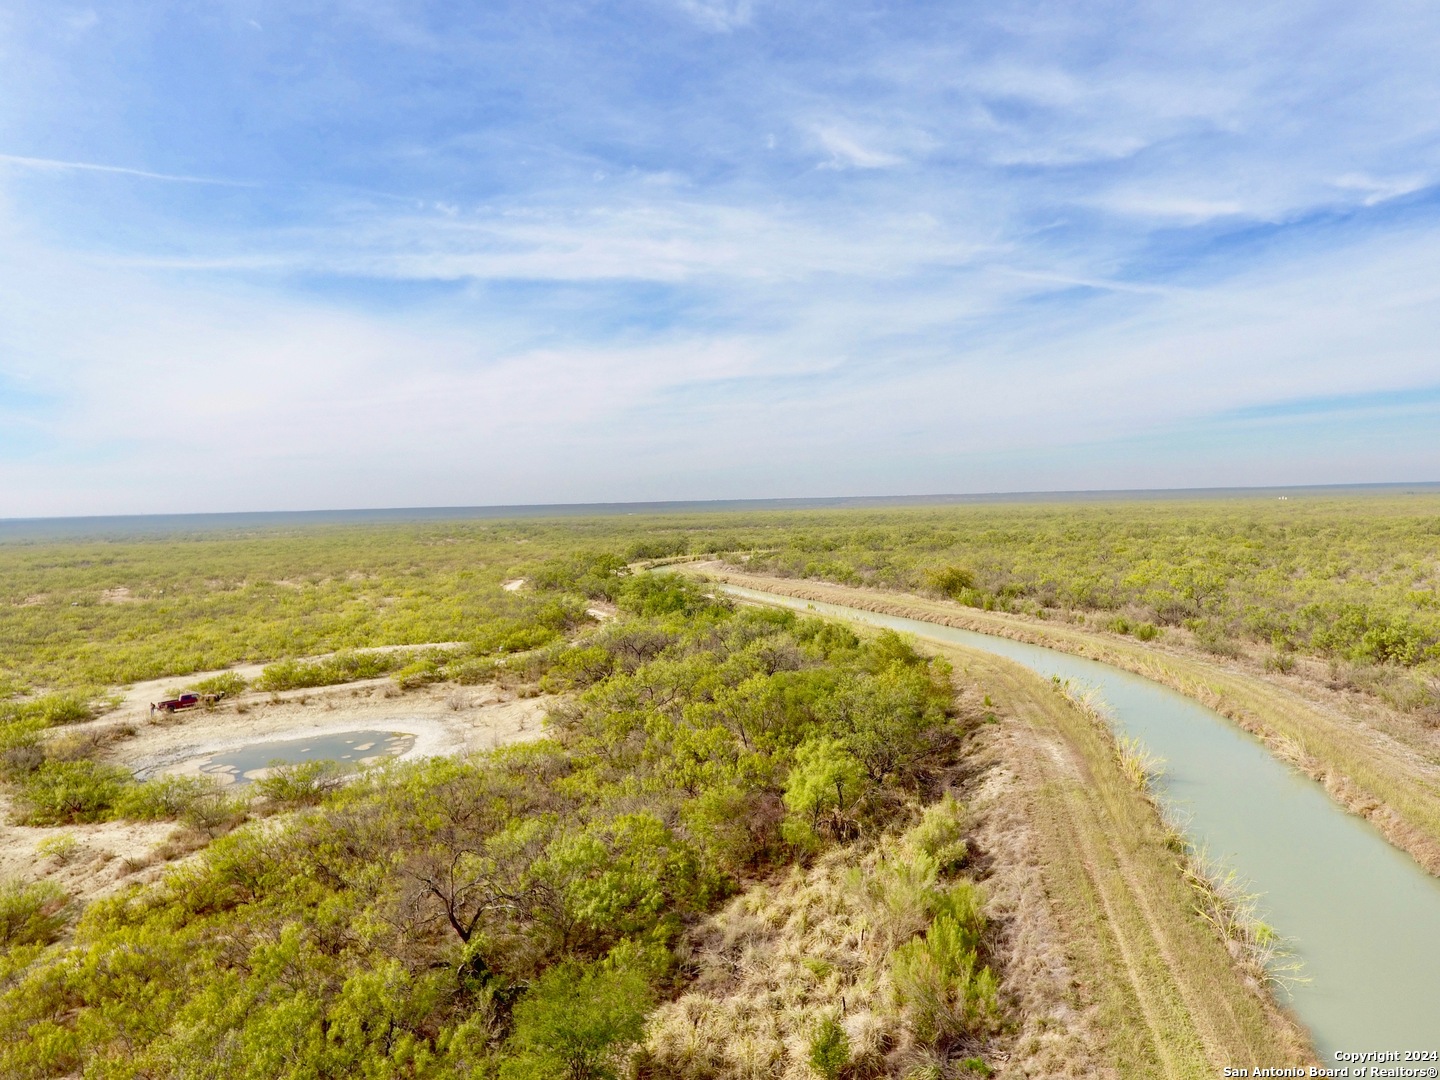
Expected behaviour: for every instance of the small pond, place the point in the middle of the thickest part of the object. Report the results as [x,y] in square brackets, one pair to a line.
[249,762]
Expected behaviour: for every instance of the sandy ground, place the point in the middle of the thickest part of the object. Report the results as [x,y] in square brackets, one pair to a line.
[141,694]
[105,856]
[443,719]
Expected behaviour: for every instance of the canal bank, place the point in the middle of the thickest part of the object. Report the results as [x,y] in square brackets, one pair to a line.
[1361,915]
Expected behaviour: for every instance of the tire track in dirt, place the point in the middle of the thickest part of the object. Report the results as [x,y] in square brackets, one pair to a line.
[1112,882]
[1168,998]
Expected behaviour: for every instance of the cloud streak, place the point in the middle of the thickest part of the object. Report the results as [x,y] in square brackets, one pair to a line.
[50,165]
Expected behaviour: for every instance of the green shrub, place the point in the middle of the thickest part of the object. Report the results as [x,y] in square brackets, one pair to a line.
[1119,625]
[514,636]
[829,1048]
[1361,635]
[300,783]
[951,581]
[214,811]
[422,672]
[1213,639]
[665,594]
[32,913]
[938,980]
[577,1024]
[597,576]
[1147,631]
[1282,662]
[341,668]
[164,797]
[471,670]
[226,684]
[578,668]
[888,719]
[62,847]
[658,547]
[50,710]
[562,615]
[625,877]
[732,826]
[66,792]
[825,785]
[940,834]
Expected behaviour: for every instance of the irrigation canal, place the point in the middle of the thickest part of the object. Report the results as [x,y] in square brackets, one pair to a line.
[1359,913]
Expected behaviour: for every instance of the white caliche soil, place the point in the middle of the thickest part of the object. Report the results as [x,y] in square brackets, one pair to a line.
[141,694]
[444,719]
[106,856]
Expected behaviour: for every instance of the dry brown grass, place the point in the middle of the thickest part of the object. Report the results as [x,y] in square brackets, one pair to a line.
[818,943]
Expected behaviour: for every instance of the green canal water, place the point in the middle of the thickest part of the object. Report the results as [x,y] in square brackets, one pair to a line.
[1359,913]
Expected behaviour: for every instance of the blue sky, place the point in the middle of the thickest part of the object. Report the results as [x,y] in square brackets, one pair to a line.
[265,255]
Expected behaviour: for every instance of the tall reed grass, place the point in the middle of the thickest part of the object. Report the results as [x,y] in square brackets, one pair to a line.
[1222,899]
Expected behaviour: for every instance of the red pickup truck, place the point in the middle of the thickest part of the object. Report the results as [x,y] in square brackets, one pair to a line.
[184,701]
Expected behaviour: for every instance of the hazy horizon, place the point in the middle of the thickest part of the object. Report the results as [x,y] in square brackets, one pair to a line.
[401,252]
[81,526]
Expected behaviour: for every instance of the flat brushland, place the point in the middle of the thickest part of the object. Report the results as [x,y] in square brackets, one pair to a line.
[1353,582]
[1345,590]
[90,614]
[731,807]
[1372,761]
[518,915]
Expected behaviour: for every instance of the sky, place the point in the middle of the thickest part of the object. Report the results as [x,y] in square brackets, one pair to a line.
[293,255]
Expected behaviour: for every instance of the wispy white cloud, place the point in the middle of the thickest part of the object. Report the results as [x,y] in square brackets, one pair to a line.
[718,15]
[914,247]
[847,151]
[846,386]
[1374,190]
[1190,210]
[51,165]
[671,240]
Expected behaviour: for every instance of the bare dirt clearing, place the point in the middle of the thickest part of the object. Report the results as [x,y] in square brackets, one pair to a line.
[92,860]
[443,719]
[139,695]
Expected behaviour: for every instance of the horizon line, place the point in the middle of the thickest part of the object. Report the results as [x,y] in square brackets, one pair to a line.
[358,515]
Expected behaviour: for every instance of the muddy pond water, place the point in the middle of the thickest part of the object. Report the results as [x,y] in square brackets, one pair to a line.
[346,748]
[1361,915]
